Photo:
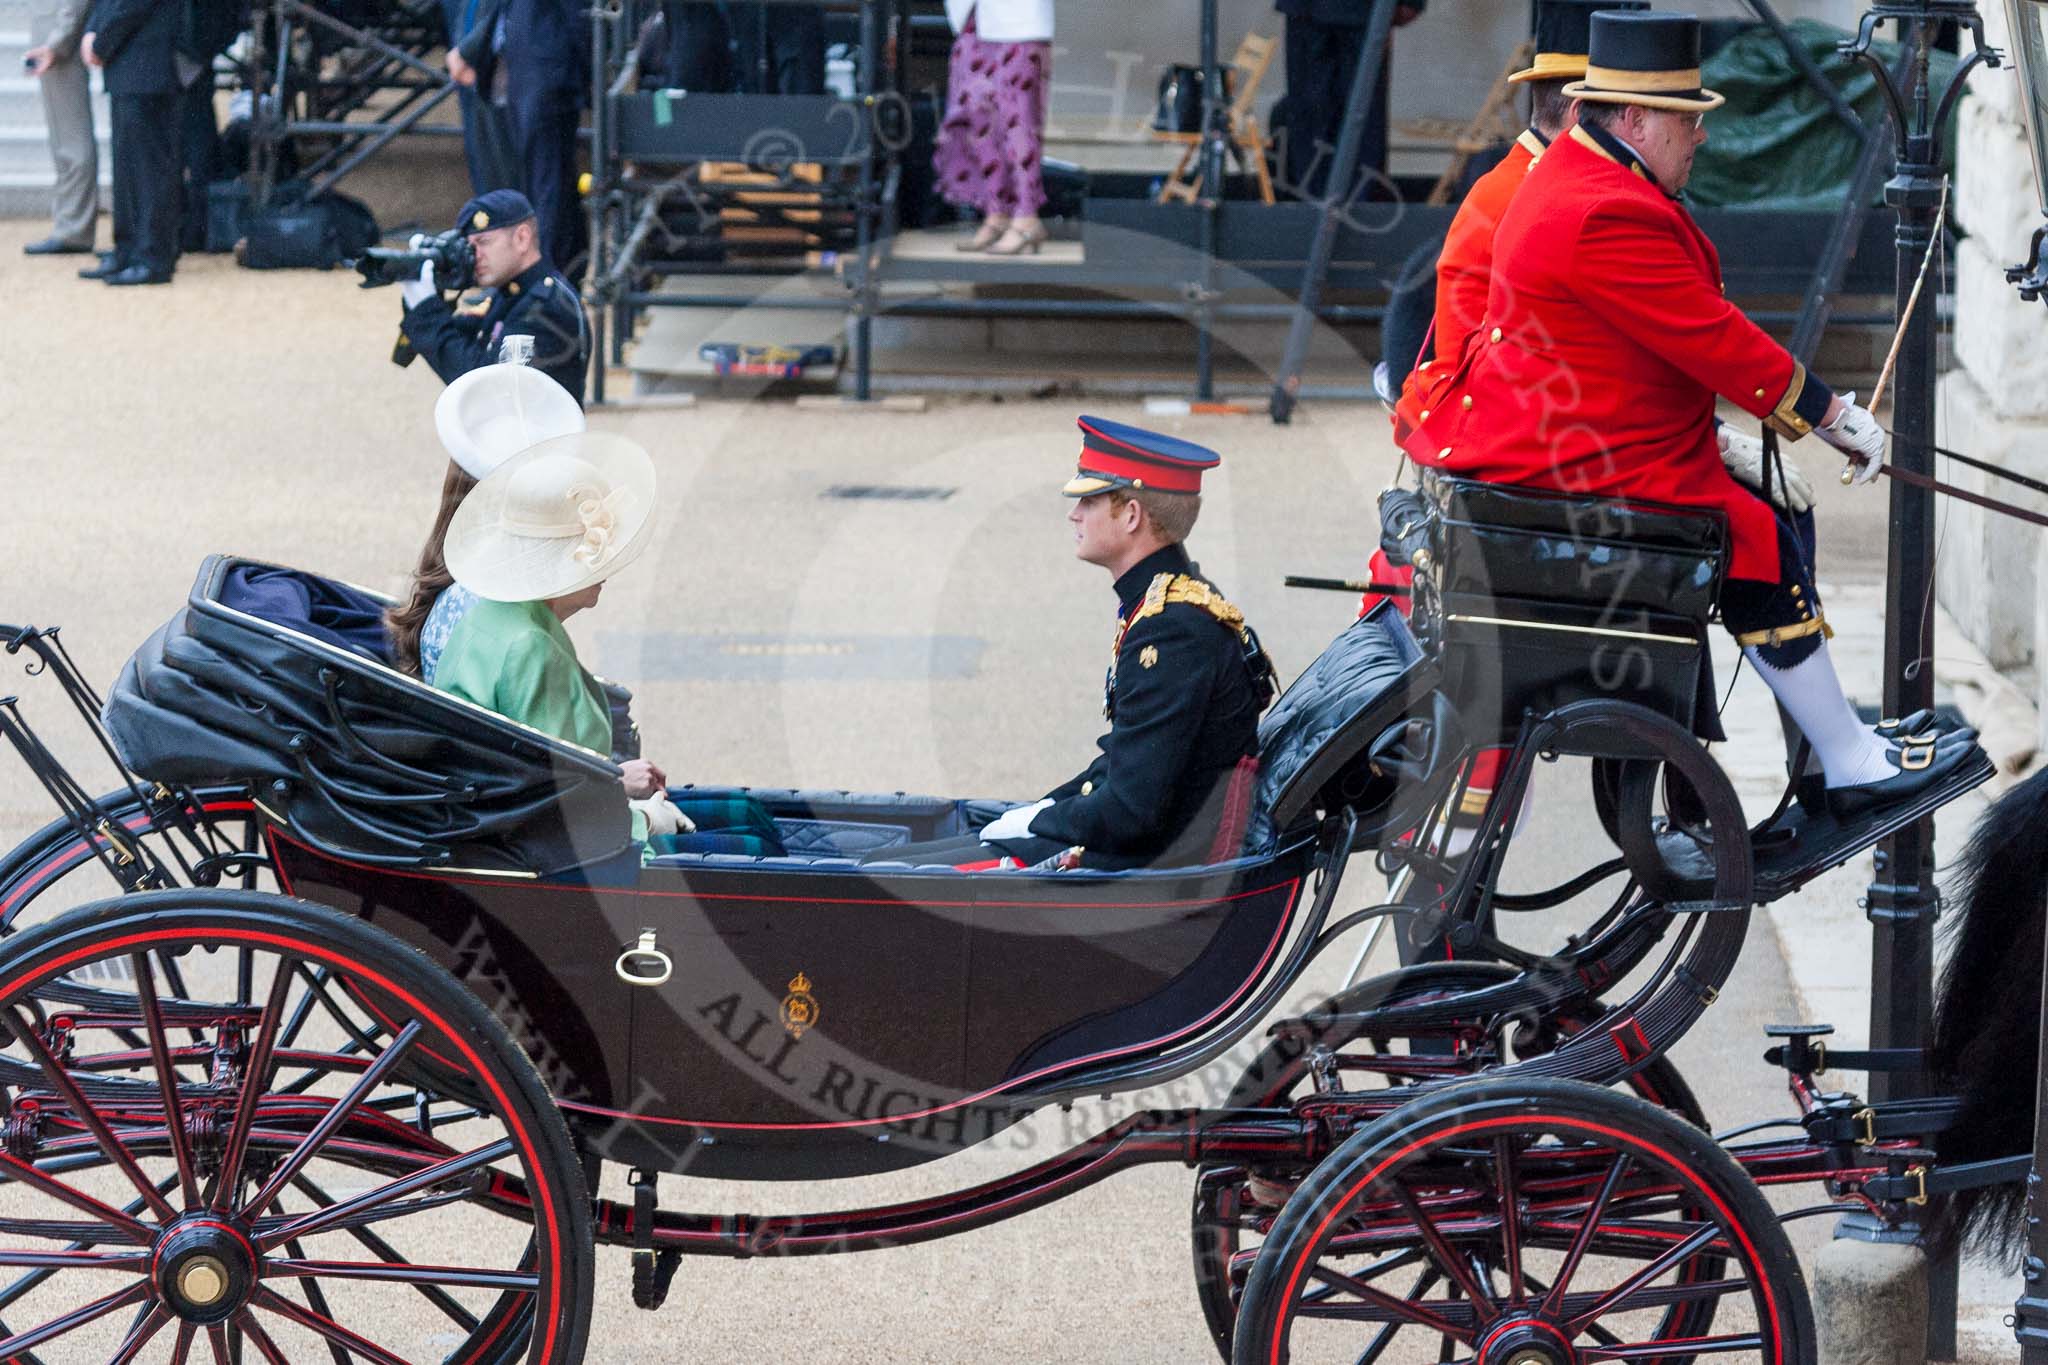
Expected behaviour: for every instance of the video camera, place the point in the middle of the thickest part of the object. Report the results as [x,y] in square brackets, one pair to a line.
[453,258]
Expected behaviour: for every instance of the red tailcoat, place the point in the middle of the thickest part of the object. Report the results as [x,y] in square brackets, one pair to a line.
[1464,270]
[1607,337]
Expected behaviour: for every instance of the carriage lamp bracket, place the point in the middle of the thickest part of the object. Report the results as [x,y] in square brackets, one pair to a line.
[653,1270]
[2031,275]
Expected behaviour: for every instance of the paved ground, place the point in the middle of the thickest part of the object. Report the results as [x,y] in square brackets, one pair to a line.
[258,413]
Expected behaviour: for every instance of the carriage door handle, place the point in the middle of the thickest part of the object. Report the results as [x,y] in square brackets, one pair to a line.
[643,964]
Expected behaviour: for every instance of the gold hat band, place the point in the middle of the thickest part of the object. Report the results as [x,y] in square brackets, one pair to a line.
[1642,82]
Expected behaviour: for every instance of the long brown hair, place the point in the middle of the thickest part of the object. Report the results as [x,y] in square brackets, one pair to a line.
[429,579]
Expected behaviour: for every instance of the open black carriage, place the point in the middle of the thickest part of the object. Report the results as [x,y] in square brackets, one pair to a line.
[234,1113]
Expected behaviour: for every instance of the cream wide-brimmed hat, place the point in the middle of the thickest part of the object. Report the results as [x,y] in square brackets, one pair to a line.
[554,519]
[495,411]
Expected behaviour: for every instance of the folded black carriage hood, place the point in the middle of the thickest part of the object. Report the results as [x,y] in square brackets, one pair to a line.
[270,678]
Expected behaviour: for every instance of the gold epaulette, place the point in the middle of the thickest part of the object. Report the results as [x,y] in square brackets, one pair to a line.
[1169,588]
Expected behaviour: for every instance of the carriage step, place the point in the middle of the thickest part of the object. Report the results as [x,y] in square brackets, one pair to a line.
[1802,844]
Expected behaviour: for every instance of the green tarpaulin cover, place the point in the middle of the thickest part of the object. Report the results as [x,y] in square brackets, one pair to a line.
[1777,144]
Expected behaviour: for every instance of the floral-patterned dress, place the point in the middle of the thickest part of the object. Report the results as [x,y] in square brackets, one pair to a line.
[993,138]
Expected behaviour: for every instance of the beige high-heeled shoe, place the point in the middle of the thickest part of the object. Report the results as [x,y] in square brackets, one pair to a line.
[990,233]
[1018,240]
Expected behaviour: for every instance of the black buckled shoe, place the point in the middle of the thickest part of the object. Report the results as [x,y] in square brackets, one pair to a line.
[1921,764]
[139,274]
[1919,726]
[105,266]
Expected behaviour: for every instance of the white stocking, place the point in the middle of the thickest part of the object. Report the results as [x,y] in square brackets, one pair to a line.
[1850,752]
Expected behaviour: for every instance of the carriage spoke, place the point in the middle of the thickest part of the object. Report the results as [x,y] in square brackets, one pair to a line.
[332,1120]
[1460,1273]
[316,1299]
[1684,1251]
[1689,1346]
[181,1347]
[139,1336]
[1401,1309]
[1593,1329]
[60,1080]
[306,1224]
[246,1324]
[135,1262]
[384,1251]
[473,1277]
[1510,1216]
[35,1277]
[324,1326]
[255,1073]
[167,1077]
[72,1321]
[1384,1338]
[119,1223]
[1583,1238]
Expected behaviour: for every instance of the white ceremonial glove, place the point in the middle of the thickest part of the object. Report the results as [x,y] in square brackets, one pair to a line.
[1014,823]
[1856,434]
[416,292]
[663,816]
[1744,456]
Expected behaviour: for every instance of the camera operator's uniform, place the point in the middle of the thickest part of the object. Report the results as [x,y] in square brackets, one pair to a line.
[539,303]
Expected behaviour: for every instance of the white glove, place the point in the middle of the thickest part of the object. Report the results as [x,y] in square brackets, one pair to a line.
[1014,823]
[416,292]
[1856,434]
[1744,456]
[663,816]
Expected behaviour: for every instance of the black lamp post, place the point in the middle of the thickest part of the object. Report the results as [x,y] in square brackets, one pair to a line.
[1902,902]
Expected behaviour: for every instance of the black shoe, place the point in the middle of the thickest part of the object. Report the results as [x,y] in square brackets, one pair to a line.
[1920,765]
[1924,724]
[139,274]
[107,265]
[54,246]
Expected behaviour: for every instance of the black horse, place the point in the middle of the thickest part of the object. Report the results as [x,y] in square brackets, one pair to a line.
[1987,1022]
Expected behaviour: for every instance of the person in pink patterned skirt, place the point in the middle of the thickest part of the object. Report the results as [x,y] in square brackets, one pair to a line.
[993,138]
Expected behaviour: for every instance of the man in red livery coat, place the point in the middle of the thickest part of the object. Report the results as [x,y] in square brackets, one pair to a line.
[1606,341]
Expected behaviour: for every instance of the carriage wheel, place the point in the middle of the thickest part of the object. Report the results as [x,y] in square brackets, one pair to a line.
[1526,1222]
[54,870]
[318,1145]
[1232,1202]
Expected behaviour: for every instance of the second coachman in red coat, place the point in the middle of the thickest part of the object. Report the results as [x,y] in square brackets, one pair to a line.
[1606,342]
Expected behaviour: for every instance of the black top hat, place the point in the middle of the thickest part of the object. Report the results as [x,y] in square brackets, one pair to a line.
[1644,58]
[1563,29]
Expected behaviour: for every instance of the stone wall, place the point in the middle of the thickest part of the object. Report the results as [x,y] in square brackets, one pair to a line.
[1994,403]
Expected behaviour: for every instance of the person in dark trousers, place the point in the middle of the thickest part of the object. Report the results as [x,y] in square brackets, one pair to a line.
[1323,42]
[528,297]
[136,43]
[486,142]
[533,56]
[749,48]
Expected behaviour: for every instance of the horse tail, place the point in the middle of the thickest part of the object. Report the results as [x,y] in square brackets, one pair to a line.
[1987,1019]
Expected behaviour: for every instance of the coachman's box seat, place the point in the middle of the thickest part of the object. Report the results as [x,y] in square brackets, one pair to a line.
[1541,597]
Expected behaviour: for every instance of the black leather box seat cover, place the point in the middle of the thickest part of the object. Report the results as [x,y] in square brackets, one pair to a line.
[275,679]
[1362,683]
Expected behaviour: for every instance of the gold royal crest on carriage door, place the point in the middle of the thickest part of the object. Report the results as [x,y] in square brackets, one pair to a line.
[799,1007]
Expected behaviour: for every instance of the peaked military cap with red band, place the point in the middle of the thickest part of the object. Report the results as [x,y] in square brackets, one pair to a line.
[1117,456]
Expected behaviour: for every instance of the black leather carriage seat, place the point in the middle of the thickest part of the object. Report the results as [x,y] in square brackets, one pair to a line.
[1540,597]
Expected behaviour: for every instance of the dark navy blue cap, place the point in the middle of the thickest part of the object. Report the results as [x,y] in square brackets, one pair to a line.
[493,209]
[1114,455]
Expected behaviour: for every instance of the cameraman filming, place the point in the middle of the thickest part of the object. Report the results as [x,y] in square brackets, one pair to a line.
[527,297]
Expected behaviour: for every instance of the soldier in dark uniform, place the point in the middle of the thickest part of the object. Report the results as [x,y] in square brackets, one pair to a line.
[136,43]
[1187,681]
[528,298]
